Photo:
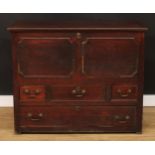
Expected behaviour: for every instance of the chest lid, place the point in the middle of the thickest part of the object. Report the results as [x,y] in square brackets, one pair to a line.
[76,25]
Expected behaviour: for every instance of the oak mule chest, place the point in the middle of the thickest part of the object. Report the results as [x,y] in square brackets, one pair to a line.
[74,77]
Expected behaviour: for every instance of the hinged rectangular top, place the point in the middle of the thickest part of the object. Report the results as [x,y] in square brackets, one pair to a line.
[77,25]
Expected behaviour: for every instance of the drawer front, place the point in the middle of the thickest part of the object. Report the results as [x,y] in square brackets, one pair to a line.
[76,118]
[32,93]
[124,92]
[78,93]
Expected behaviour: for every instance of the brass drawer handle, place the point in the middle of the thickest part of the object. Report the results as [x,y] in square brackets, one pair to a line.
[127,117]
[116,117]
[122,118]
[129,91]
[35,118]
[37,91]
[78,35]
[32,93]
[78,92]
[26,91]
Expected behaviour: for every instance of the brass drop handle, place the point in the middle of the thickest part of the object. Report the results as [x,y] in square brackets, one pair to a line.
[37,91]
[26,91]
[126,94]
[116,117]
[32,94]
[78,35]
[123,118]
[35,118]
[78,92]
[127,117]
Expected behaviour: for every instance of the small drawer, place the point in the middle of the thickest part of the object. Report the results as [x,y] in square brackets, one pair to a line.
[82,92]
[78,119]
[32,93]
[124,92]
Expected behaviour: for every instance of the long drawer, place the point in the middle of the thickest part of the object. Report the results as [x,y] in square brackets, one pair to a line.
[78,119]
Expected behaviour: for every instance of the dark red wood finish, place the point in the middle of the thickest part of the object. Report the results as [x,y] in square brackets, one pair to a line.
[78,77]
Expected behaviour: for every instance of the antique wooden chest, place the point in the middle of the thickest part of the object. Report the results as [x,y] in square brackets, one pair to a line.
[74,77]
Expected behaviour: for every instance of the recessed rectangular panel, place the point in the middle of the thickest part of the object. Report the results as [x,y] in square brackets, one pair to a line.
[45,57]
[112,57]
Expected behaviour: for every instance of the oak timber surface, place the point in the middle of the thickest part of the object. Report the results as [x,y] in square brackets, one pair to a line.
[7,130]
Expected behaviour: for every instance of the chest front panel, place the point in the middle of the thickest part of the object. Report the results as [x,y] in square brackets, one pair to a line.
[78,80]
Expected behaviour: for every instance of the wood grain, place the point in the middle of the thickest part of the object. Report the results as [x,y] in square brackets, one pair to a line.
[7,130]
